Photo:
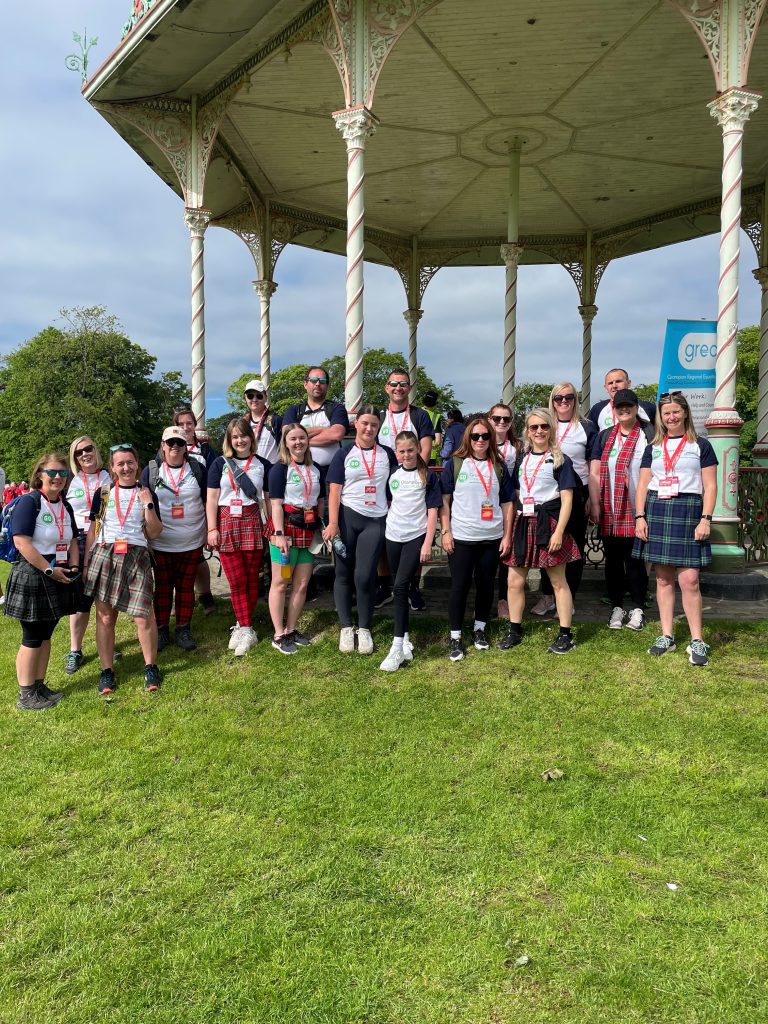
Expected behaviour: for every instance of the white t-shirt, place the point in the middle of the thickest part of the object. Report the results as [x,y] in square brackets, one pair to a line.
[694,456]
[537,478]
[289,484]
[266,445]
[363,475]
[470,493]
[194,452]
[184,529]
[606,417]
[411,418]
[410,499]
[82,489]
[219,477]
[131,513]
[46,527]
[508,453]
[575,441]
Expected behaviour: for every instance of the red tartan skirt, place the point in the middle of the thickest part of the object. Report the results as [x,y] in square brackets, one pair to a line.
[541,558]
[241,533]
[301,536]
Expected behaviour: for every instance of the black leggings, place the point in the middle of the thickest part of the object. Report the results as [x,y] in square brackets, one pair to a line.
[34,634]
[479,558]
[622,572]
[404,562]
[363,538]
[577,527]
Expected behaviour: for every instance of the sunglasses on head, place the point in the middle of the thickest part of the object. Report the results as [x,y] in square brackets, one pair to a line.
[538,426]
[51,473]
[316,380]
[668,396]
[254,394]
[564,398]
[500,419]
[484,436]
[175,442]
[85,450]
[120,448]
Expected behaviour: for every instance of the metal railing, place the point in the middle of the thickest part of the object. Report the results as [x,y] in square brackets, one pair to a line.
[753,513]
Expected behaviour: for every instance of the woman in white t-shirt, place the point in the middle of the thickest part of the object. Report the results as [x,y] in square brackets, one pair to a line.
[88,477]
[124,518]
[675,500]
[198,447]
[503,420]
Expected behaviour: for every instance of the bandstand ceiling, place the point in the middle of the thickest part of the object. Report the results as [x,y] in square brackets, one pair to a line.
[609,97]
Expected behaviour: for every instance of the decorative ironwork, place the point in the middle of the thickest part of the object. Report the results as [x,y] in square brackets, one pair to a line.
[140,8]
[594,553]
[753,512]
[751,220]
[79,61]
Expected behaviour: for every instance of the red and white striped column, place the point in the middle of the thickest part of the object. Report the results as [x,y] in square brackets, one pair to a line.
[265,290]
[511,253]
[587,313]
[197,220]
[356,125]
[760,451]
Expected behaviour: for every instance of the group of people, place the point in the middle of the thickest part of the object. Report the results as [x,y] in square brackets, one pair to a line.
[132,539]
[13,490]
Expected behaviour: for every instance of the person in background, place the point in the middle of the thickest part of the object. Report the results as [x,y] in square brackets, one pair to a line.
[602,414]
[88,477]
[200,449]
[675,500]
[326,422]
[429,403]
[454,433]
[265,423]
[41,587]
[502,419]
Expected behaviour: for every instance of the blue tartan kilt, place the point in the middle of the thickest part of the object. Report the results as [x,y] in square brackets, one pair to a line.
[671,525]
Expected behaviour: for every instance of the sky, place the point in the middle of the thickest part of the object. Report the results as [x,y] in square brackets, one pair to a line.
[86,222]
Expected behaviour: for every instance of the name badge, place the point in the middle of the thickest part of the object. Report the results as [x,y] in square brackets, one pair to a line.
[529,507]
[370,489]
[236,508]
[62,551]
[669,487]
[309,517]
[177,510]
[486,512]
[121,546]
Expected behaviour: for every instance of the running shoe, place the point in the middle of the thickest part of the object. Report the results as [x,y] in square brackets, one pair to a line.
[31,700]
[151,678]
[457,651]
[383,595]
[347,640]
[407,649]
[512,639]
[393,660]
[247,640]
[563,644]
[107,682]
[544,606]
[183,638]
[364,641]
[284,644]
[300,639]
[480,640]
[234,637]
[416,601]
[636,620]
[662,645]
[698,653]
[73,662]
[616,620]
[53,695]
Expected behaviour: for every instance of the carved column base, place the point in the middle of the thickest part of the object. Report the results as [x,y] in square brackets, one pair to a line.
[723,432]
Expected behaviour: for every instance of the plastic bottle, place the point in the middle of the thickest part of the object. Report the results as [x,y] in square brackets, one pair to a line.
[286,570]
[339,547]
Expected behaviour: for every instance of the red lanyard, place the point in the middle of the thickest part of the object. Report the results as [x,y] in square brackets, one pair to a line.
[307,484]
[260,427]
[504,451]
[529,483]
[235,488]
[60,522]
[481,478]
[395,430]
[669,464]
[87,488]
[561,439]
[120,518]
[368,470]
[176,484]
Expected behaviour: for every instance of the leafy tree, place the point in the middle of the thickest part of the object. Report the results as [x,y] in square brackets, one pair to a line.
[529,396]
[747,374]
[87,378]
[646,392]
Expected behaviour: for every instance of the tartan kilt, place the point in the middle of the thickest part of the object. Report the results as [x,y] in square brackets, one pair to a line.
[123,582]
[301,536]
[32,597]
[240,533]
[671,525]
[540,557]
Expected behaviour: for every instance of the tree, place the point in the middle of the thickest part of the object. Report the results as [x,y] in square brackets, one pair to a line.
[87,378]
[747,387]
[647,392]
[529,396]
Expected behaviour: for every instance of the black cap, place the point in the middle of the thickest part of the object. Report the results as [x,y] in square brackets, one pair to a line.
[625,397]
[430,397]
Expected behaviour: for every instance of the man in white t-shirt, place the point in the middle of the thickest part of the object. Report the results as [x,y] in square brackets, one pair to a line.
[602,414]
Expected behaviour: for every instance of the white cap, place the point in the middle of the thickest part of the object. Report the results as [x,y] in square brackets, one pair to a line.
[256,385]
[175,432]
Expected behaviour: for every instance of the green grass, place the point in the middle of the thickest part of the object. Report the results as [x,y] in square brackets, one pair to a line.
[277,840]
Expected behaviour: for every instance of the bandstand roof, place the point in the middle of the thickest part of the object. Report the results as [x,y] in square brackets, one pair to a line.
[609,96]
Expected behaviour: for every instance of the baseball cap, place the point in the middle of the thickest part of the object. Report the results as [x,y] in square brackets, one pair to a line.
[625,397]
[176,432]
[255,385]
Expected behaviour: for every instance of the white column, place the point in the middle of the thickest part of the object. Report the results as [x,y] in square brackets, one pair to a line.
[412,318]
[511,253]
[356,125]
[265,290]
[197,221]
[760,451]
[587,313]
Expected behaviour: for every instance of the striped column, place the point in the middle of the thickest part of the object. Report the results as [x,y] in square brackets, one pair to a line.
[760,451]
[731,110]
[511,253]
[197,221]
[356,124]
[412,318]
[587,314]
[265,290]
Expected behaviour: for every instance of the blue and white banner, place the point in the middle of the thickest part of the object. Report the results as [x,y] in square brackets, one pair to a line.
[688,365]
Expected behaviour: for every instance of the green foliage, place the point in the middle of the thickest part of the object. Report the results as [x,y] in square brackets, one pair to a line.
[216,427]
[529,396]
[747,389]
[646,392]
[87,378]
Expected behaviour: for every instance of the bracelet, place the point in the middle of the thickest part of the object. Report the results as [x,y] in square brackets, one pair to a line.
[708,518]
[640,515]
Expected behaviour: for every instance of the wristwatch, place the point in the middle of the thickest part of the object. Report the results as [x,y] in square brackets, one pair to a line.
[150,504]
[48,571]
[708,518]
[278,533]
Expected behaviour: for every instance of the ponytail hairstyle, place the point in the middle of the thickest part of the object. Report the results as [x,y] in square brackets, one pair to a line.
[408,435]
[370,410]
[511,436]
[554,447]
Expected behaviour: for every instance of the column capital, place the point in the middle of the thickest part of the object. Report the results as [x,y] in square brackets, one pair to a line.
[356,125]
[588,313]
[413,316]
[761,276]
[732,108]
[197,220]
[264,289]
[511,253]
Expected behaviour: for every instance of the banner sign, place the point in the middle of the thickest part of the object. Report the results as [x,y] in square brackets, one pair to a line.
[688,365]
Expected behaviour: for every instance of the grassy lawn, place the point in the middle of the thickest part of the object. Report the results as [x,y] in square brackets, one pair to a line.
[277,840]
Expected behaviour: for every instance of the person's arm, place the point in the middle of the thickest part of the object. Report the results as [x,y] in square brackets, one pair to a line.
[334,503]
[594,490]
[278,521]
[327,435]
[709,484]
[641,525]
[212,515]
[508,518]
[566,504]
[152,525]
[90,537]
[429,539]
[425,447]
[446,534]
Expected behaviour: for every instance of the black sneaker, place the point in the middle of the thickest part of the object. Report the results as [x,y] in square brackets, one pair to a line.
[73,662]
[151,679]
[107,682]
[183,638]
[300,639]
[284,644]
[416,601]
[163,638]
[207,603]
[52,695]
[562,644]
[512,639]
[457,649]
[698,652]
[383,595]
[480,640]
[662,645]
[30,699]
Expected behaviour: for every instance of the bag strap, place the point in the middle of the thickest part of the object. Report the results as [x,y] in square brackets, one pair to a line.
[244,482]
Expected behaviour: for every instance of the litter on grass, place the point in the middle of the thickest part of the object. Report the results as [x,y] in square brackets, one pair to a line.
[643,839]
[552,775]
[522,961]
[672,886]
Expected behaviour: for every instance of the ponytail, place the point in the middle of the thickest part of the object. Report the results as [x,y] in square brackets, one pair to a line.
[408,435]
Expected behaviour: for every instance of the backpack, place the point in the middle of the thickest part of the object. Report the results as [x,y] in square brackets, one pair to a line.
[198,472]
[303,409]
[8,550]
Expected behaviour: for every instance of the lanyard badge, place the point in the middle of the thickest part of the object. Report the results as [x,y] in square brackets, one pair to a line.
[669,484]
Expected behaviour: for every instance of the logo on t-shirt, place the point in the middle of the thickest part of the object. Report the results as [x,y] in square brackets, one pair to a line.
[111,503]
[608,420]
[394,485]
[463,477]
[295,479]
[384,430]
[656,453]
[354,463]
[613,452]
[47,518]
[78,493]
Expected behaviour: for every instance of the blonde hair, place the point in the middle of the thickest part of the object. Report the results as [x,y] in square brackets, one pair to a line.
[36,479]
[576,412]
[282,451]
[677,398]
[73,463]
[242,426]
[554,447]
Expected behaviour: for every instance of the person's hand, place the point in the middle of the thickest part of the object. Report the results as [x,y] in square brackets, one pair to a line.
[425,553]
[145,496]
[213,540]
[280,542]
[447,542]
[505,547]
[702,529]
[61,575]
[555,541]
[330,532]
[641,529]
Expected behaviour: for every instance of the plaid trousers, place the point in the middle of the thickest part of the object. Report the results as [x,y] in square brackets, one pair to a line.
[175,571]
[242,569]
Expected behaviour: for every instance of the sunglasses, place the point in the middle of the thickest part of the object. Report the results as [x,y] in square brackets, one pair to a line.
[669,396]
[404,384]
[254,394]
[316,380]
[480,437]
[85,450]
[52,473]
[538,426]
[175,442]
[120,448]
[500,419]
[564,398]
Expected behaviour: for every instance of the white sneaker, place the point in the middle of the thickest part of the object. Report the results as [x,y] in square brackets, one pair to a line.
[364,641]
[544,605]
[407,650]
[393,660]
[347,640]
[636,619]
[234,637]
[616,620]
[246,641]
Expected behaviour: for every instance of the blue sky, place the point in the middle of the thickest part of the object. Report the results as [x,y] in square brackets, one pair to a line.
[86,222]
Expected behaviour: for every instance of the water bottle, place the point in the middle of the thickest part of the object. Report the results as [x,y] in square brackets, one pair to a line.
[339,547]
[285,565]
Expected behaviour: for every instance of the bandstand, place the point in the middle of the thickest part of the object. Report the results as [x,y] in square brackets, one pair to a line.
[490,132]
